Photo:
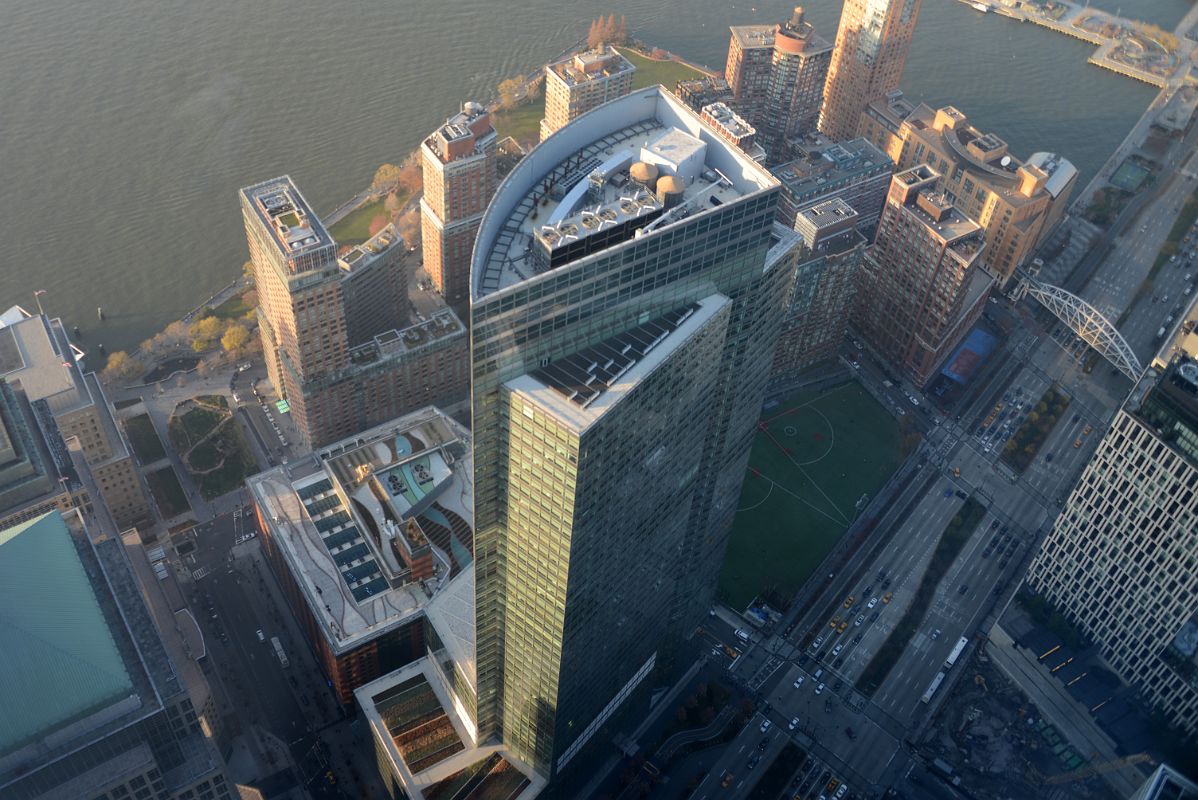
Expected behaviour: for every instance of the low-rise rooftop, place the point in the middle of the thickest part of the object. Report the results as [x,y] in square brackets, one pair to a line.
[587,167]
[363,255]
[824,165]
[348,519]
[432,746]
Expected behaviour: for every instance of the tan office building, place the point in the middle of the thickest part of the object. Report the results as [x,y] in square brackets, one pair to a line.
[871,49]
[583,82]
[1015,202]
[38,361]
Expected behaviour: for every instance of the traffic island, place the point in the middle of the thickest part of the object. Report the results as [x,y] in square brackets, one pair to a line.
[1021,449]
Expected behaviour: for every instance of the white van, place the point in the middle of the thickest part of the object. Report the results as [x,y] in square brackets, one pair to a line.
[742,635]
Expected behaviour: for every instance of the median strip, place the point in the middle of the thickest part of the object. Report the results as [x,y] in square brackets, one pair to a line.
[952,540]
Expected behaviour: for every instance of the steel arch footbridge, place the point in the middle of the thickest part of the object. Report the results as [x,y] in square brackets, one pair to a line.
[1089,324]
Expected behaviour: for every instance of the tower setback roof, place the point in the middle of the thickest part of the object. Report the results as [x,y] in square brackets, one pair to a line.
[62,661]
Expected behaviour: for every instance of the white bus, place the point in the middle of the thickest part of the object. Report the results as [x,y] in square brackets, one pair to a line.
[932,687]
[956,653]
[279,651]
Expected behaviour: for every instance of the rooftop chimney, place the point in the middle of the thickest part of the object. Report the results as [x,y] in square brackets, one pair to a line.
[796,18]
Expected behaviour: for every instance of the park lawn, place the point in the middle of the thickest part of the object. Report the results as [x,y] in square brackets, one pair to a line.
[233,308]
[522,123]
[650,72]
[791,515]
[354,227]
[239,463]
[168,493]
[144,439]
[187,430]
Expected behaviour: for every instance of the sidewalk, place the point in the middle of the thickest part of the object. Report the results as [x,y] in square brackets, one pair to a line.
[1072,718]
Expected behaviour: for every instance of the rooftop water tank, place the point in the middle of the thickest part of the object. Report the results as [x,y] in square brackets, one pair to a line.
[669,191]
[644,174]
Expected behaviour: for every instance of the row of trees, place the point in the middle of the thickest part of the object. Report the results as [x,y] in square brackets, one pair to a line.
[232,335]
[607,31]
[513,92]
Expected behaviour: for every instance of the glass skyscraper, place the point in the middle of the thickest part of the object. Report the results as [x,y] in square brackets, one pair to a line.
[626,297]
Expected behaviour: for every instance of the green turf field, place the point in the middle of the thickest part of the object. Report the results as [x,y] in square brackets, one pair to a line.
[1130,176]
[817,454]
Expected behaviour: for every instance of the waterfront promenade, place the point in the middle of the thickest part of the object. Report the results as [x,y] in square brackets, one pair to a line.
[1123,45]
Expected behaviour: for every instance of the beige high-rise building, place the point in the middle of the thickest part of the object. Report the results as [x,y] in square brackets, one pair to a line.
[583,82]
[921,289]
[871,49]
[1015,202]
[458,160]
[336,334]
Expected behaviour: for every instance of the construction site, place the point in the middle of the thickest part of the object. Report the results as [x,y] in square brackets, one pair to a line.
[990,741]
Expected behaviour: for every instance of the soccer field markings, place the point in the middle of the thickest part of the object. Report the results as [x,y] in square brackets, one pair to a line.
[802,500]
[763,426]
[759,502]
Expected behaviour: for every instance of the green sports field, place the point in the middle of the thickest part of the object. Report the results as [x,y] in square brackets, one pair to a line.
[815,455]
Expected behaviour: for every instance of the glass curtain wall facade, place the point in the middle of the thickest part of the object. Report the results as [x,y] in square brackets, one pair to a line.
[530,323]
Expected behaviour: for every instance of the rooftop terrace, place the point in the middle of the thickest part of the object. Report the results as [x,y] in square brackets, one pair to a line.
[284,212]
[335,515]
[753,36]
[585,170]
[430,742]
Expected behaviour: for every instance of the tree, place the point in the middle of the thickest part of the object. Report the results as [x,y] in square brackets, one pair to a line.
[509,91]
[621,34]
[594,35]
[204,333]
[411,178]
[409,227]
[247,269]
[384,176]
[235,338]
[176,333]
[122,366]
[392,204]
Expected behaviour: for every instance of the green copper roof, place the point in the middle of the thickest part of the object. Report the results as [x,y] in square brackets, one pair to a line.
[60,662]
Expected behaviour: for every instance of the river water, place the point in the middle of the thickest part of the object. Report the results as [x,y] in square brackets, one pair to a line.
[127,126]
